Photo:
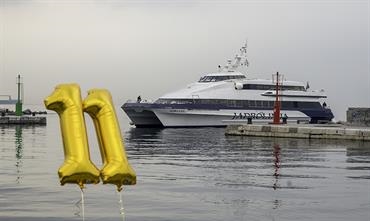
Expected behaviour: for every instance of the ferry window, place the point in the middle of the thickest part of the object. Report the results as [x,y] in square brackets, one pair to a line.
[293,88]
[258,103]
[162,101]
[251,103]
[231,103]
[205,79]
[271,87]
[309,104]
[239,103]
[246,86]
[224,102]
[287,104]
[244,103]
[296,104]
[257,87]
[219,78]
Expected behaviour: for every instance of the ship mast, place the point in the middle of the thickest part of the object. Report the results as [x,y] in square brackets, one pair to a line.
[239,60]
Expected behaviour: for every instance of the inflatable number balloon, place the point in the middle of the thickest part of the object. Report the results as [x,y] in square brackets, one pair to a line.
[116,169]
[77,167]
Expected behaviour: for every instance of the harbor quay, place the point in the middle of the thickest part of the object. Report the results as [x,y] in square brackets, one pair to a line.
[308,131]
[28,120]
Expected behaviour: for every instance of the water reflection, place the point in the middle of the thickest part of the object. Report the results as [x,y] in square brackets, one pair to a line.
[236,162]
[146,134]
[244,174]
[276,165]
[276,204]
[18,151]
[194,174]
[240,162]
[358,161]
[20,143]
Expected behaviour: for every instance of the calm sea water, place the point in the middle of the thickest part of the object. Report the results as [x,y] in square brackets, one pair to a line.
[189,174]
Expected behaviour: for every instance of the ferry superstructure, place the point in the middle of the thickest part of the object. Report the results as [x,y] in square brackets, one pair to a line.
[227,96]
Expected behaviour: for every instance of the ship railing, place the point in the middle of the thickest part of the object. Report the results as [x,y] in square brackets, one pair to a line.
[145,101]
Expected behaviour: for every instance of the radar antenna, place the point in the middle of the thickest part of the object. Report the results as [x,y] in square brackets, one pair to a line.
[239,60]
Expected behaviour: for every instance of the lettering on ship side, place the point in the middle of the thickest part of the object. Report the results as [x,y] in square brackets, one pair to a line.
[177,110]
[259,115]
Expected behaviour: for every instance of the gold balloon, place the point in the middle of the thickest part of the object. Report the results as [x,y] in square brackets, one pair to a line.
[116,169]
[77,167]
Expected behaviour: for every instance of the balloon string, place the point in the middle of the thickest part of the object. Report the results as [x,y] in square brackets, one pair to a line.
[83,205]
[78,206]
[120,202]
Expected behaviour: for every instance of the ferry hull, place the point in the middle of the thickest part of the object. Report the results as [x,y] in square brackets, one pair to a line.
[156,115]
[141,116]
[220,118]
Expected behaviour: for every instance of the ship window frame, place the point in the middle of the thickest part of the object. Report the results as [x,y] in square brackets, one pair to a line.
[249,86]
[207,79]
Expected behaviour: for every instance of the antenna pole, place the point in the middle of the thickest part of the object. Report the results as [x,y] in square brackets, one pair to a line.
[239,60]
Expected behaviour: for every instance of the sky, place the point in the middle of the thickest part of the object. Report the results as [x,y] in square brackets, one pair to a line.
[150,47]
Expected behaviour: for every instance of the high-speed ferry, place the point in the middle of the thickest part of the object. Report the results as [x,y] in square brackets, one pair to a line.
[227,96]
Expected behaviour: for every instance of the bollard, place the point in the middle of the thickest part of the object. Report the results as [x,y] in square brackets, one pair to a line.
[249,120]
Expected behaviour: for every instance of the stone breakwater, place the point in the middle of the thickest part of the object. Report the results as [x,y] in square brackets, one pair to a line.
[300,131]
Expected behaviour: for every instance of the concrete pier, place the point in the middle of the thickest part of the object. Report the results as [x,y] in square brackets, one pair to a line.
[307,131]
[28,120]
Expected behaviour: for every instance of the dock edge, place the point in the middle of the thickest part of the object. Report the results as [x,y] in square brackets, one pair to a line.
[307,132]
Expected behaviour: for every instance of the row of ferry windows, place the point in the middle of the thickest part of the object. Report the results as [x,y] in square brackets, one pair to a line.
[241,103]
[272,87]
[220,78]
[250,86]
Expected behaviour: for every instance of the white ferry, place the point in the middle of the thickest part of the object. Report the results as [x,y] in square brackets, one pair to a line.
[227,96]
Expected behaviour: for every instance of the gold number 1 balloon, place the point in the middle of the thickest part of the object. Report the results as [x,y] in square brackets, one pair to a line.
[77,167]
[116,170]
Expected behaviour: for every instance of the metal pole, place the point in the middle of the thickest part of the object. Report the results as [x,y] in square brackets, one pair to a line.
[18,105]
[277,102]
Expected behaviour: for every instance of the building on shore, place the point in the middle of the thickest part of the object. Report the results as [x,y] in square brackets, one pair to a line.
[357,116]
